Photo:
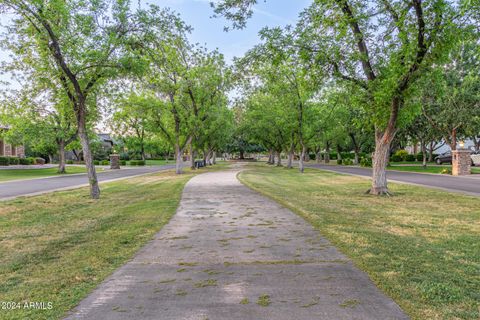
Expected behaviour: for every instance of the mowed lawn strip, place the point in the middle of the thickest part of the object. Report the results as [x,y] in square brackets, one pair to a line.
[421,246]
[21,174]
[58,247]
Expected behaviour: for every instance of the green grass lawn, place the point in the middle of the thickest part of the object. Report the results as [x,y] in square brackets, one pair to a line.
[159,162]
[421,246]
[428,169]
[18,174]
[58,247]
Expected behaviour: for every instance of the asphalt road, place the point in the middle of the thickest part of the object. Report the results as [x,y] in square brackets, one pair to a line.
[468,185]
[13,189]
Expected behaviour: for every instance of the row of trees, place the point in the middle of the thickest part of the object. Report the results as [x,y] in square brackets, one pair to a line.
[377,66]
[75,59]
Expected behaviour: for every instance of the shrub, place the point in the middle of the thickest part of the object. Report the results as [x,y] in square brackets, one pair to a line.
[26,161]
[123,162]
[133,162]
[395,158]
[410,158]
[39,161]
[105,162]
[69,161]
[13,160]
[446,171]
[96,162]
[420,156]
[348,162]
[4,161]
[339,161]
[140,162]
[402,154]
[366,162]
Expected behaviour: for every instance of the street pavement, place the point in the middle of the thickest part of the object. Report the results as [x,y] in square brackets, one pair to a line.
[465,184]
[17,188]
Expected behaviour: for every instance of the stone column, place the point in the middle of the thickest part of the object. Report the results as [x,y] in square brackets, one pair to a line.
[461,162]
[114,161]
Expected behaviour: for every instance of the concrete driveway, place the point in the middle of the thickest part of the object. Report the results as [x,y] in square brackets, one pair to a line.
[467,184]
[13,189]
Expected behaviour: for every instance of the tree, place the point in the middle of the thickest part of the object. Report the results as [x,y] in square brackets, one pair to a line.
[81,42]
[42,119]
[131,120]
[382,48]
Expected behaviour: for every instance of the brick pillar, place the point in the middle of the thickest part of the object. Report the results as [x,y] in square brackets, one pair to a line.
[114,161]
[461,162]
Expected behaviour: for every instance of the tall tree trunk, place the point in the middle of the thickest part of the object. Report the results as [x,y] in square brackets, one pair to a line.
[61,156]
[192,157]
[242,154]
[290,156]
[318,156]
[356,149]
[301,166]
[339,153]
[356,160]
[271,159]
[214,157]
[178,159]
[424,153]
[430,152]
[279,158]
[142,150]
[380,162]
[327,153]
[87,156]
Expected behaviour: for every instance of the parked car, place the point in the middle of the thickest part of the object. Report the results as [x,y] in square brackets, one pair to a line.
[447,158]
[444,158]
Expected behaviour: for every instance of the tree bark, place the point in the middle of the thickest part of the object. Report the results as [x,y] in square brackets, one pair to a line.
[271,159]
[290,156]
[380,161]
[430,152]
[424,153]
[327,153]
[178,159]
[301,166]
[87,156]
[279,158]
[318,156]
[61,156]
[214,157]
[192,157]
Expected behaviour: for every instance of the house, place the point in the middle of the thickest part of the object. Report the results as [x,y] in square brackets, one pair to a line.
[7,150]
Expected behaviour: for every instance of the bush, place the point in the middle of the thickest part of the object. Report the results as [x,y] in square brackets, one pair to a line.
[69,161]
[26,161]
[39,161]
[133,162]
[446,171]
[140,162]
[105,162]
[4,161]
[123,162]
[13,160]
[366,162]
[402,154]
[410,158]
[339,161]
[395,158]
[96,162]
[420,156]
[347,162]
